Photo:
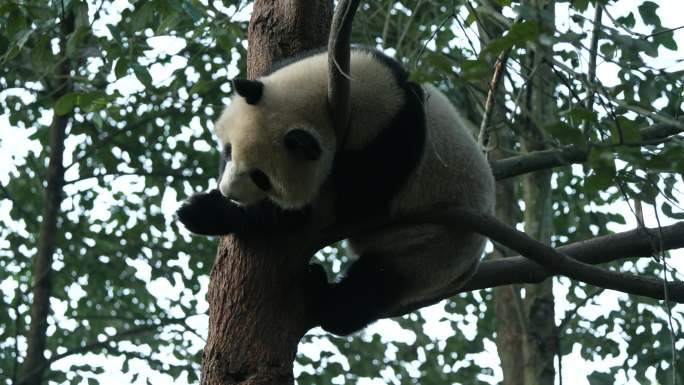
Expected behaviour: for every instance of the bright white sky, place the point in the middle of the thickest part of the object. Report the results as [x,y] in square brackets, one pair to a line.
[16,143]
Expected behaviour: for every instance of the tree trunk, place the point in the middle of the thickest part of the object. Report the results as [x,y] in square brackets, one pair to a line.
[541,346]
[34,363]
[526,335]
[509,316]
[257,306]
[510,332]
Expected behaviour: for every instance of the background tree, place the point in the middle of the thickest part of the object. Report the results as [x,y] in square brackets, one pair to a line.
[106,109]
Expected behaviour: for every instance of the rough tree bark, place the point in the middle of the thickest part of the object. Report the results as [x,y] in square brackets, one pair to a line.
[35,363]
[541,345]
[509,320]
[257,309]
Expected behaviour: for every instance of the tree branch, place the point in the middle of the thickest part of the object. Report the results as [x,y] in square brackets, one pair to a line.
[34,361]
[518,270]
[339,66]
[546,159]
[538,160]
[557,262]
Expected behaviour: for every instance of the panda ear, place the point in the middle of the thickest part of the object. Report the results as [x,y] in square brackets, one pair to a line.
[251,90]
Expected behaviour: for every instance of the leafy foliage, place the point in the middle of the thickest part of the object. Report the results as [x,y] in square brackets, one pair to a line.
[147,79]
[138,140]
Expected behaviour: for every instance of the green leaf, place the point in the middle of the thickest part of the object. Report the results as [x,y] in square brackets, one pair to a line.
[565,133]
[80,11]
[75,41]
[581,114]
[142,16]
[121,67]
[18,44]
[627,21]
[626,129]
[66,103]
[17,23]
[667,210]
[143,75]
[519,34]
[647,9]
[93,101]
[603,170]
[608,50]
[192,11]
[439,62]
[168,22]
[580,5]
[598,378]
[665,38]
[42,58]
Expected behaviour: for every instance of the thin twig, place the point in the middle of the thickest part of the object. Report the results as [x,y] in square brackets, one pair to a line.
[432,36]
[591,73]
[664,31]
[407,25]
[385,27]
[499,69]
[666,291]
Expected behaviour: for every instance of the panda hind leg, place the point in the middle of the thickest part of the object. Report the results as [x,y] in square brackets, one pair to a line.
[369,289]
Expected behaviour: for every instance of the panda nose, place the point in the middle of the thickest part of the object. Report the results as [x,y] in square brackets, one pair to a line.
[260,179]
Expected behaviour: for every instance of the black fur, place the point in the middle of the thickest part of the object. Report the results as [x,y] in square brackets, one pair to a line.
[303,144]
[251,90]
[212,214]
[367,292]
[366,180]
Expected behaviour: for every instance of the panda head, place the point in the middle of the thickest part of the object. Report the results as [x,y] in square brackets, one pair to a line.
[278,143]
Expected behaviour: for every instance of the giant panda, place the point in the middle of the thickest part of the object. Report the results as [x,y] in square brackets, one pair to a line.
[404,153]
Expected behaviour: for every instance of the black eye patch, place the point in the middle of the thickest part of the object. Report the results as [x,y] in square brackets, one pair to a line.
[303,144]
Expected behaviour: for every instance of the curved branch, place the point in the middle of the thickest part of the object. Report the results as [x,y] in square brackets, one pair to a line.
[608,248]
[546,159]
[558,262]
[338,66]
[630,244]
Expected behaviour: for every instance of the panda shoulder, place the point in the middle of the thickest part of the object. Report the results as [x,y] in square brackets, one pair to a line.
[382,62]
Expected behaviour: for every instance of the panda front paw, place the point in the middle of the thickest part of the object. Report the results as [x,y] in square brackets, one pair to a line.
[208,214]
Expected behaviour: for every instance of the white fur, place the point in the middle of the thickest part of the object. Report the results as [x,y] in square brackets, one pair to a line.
[239,187]
[296,97]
